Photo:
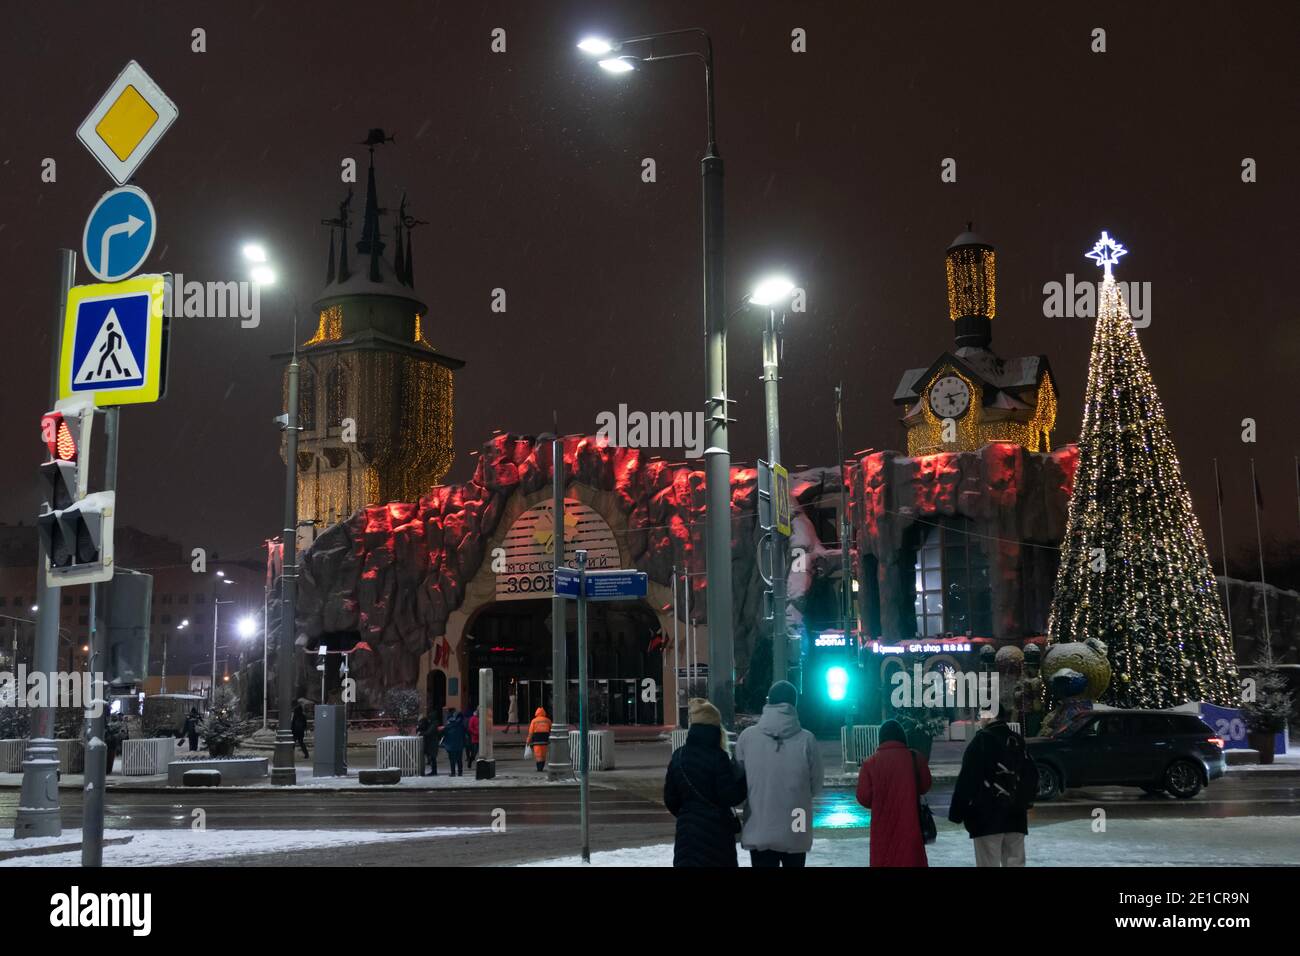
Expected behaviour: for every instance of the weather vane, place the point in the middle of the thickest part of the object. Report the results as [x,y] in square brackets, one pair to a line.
[1106,253]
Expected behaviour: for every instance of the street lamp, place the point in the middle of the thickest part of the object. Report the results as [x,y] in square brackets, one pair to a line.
[774,292]
[282,764]
[717,475]
[216,614]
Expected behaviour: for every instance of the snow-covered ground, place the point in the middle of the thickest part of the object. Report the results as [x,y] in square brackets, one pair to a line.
[1236,841]
[170,847]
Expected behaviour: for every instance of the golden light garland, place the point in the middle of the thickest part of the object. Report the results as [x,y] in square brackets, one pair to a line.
[925,437]
[1134,568]
[972,282]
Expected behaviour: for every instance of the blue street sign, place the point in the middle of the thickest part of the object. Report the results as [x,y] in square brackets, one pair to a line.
[119,233]
[113,342]
[615,585]
[602,585]
[566,582]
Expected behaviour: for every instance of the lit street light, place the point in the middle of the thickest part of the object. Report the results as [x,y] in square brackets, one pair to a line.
[282,763]
[772,293]
[717,481]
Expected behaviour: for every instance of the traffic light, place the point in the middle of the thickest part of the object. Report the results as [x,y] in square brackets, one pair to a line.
[127,607]
[837,683]
[76,529]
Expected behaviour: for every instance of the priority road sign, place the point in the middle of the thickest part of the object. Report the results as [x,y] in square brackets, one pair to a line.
[113,342]
[119,233]
[127,122]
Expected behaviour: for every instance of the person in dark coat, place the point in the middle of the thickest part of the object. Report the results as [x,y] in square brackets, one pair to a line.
[299,728]
[191,728]
[428,729]
[454,736]
[702,785]
[890,785]
[995,789]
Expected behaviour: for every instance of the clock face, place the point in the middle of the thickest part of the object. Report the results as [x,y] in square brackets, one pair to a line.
[949,397]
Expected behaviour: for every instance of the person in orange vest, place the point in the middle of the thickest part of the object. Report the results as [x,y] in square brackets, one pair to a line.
[539,735]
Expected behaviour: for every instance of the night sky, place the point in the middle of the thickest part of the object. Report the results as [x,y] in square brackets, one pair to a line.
[528,166]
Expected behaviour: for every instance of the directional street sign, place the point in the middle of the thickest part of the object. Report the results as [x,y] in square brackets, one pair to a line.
[602,585]
[113,342]
[127,122]
[119,234]
[566,582]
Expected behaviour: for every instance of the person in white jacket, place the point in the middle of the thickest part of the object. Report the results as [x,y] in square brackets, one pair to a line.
[783,770]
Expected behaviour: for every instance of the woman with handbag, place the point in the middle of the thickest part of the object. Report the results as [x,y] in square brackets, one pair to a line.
[890,785]
[702,786]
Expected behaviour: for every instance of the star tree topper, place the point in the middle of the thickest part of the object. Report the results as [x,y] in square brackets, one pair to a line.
[1106,253]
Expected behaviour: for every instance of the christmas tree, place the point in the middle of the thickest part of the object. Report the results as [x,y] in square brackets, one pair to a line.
[1134,568]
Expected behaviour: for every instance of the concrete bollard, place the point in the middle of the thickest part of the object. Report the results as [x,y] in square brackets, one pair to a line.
[485,767]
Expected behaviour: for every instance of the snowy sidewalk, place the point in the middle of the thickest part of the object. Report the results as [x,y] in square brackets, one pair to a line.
[1236,841]
[172,847]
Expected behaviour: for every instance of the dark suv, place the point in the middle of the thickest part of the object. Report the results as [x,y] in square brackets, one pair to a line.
[1155,750]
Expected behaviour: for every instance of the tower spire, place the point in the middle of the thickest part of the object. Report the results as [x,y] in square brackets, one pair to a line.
[370,243]
[398,264]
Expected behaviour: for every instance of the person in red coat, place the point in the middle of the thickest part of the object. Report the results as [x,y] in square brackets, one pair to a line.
[887,786]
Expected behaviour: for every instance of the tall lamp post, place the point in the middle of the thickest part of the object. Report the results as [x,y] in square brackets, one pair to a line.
[283,771]
[772,294]
[717,474]
[216,614]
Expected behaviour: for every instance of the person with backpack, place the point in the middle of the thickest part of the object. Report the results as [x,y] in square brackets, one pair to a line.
[700,789]
[890,785]
[995,789]
[782,765]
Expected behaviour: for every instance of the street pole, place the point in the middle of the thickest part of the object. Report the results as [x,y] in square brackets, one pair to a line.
[283,771]
[584,746]
[266,636]
[846,590]
[38,805]
[212,688]
[96,765]
[1223,549]
[717,477]
[771,401]
[559,762]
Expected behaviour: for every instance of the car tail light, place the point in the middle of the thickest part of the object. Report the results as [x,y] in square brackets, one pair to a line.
[1217,741]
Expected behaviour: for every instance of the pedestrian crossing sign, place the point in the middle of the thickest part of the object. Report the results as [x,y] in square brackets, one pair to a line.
[113,342]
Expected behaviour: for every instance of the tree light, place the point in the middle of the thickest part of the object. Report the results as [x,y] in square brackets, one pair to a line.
[616,65]
[771,290]
[596,46]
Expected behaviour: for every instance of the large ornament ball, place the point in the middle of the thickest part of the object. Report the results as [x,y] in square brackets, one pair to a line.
[1010,659]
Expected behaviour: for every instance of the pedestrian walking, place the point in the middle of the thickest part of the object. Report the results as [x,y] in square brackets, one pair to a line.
[702,785]
[299,728]
[512,713]
[191,728]
[471,746]
[539,737]
[995,789]
[782,765]
[454,735]
[427,728]
[890,785]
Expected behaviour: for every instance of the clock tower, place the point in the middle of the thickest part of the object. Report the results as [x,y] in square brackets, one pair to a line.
[969,396]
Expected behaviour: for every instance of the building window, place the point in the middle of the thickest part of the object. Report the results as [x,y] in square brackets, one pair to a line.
[166,599]
[952,582]
[67,600]
[185,599]
[83,619]
[166,619]
[198,599]
[83,601]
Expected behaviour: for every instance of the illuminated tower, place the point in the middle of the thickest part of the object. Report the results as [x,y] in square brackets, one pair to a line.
[970,396]
[375,398]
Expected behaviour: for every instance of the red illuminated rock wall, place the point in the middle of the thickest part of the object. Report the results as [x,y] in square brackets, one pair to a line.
[1015,500]
[394,573]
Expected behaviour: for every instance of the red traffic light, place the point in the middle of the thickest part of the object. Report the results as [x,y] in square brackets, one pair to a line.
[58,437]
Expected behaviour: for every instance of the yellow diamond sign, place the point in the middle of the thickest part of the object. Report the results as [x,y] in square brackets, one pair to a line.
[127,122]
